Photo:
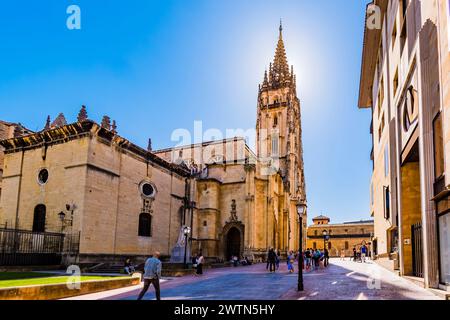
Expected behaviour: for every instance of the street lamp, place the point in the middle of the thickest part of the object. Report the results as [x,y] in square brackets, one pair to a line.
[186,232]
[301,208]
[325,233]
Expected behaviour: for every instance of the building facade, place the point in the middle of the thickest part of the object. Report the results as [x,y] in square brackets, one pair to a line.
[247,202]
[405,82]
[340,236]
[124,200]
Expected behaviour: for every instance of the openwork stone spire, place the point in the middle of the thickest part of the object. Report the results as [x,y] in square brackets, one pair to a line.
[280,66]
[59,121]
[106,123]
[82,115]
[279,74]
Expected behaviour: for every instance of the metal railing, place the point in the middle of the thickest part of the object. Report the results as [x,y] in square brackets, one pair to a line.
[22,247]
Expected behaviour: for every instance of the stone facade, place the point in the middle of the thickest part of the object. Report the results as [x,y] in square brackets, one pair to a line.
[405,82]
[247,202]
[236,202]
[95,178]
[343,236]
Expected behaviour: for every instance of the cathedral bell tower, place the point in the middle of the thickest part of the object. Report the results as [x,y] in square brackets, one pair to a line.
[278,125]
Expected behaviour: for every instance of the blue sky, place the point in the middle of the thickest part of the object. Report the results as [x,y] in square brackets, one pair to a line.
[155,66]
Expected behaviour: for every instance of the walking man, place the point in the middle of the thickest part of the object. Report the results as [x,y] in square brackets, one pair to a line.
[152,274]
[363,253]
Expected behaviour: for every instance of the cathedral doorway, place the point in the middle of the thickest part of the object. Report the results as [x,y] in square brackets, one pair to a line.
[233,243]
[233,240]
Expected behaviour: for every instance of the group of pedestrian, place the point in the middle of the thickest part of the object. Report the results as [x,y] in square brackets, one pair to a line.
[314,258]
[361,254]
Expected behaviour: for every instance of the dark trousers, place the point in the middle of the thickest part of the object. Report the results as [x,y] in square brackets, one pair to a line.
[147,283]
[200,268]
[272,266]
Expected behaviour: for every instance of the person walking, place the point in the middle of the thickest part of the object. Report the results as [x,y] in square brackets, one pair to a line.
[354,254]
[363,253]
[152,274]
[342,254]
[200,261]
[326,257]
[290,261]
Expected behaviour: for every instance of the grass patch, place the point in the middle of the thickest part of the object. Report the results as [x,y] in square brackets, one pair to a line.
[17,279]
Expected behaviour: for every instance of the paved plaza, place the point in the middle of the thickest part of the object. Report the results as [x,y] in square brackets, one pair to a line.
[342,280]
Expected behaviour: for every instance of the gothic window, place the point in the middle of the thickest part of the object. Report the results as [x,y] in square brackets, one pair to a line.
[275,145]
[39,218]
[145,225]
[275,121]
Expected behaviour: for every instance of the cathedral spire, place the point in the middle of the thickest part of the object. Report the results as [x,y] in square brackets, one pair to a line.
[280,65]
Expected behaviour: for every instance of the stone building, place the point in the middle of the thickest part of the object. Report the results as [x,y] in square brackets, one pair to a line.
[405,82]
[9,130]
[124,200]
[340,236]
[247,202]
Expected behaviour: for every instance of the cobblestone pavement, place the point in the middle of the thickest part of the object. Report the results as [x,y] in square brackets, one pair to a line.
[342,280]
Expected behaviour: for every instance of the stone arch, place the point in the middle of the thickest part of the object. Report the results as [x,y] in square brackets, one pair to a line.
[232,229]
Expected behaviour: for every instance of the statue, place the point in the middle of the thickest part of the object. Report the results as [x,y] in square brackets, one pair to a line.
[233,217]
[177,255]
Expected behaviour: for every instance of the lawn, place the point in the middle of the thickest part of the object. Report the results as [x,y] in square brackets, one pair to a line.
[15,279]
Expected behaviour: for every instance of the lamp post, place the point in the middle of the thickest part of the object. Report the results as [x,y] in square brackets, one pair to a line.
[301,208]
[325,235]
[186,232]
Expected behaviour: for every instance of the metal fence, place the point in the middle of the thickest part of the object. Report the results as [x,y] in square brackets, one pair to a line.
[21,247]
[417,257]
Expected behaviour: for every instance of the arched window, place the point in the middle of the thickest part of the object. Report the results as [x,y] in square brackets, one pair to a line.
[329,245]
[346,245]
[145,225]
[39,218]
[275,121]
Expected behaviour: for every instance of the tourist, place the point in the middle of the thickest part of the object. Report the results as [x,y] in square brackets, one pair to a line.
[200,261]
[326,257]
[308,259]
[152,274]
[290,262]
[235,260]
[363,253]
[342,254]
[271,258]
[354,254]
[316,258]
[129,267]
